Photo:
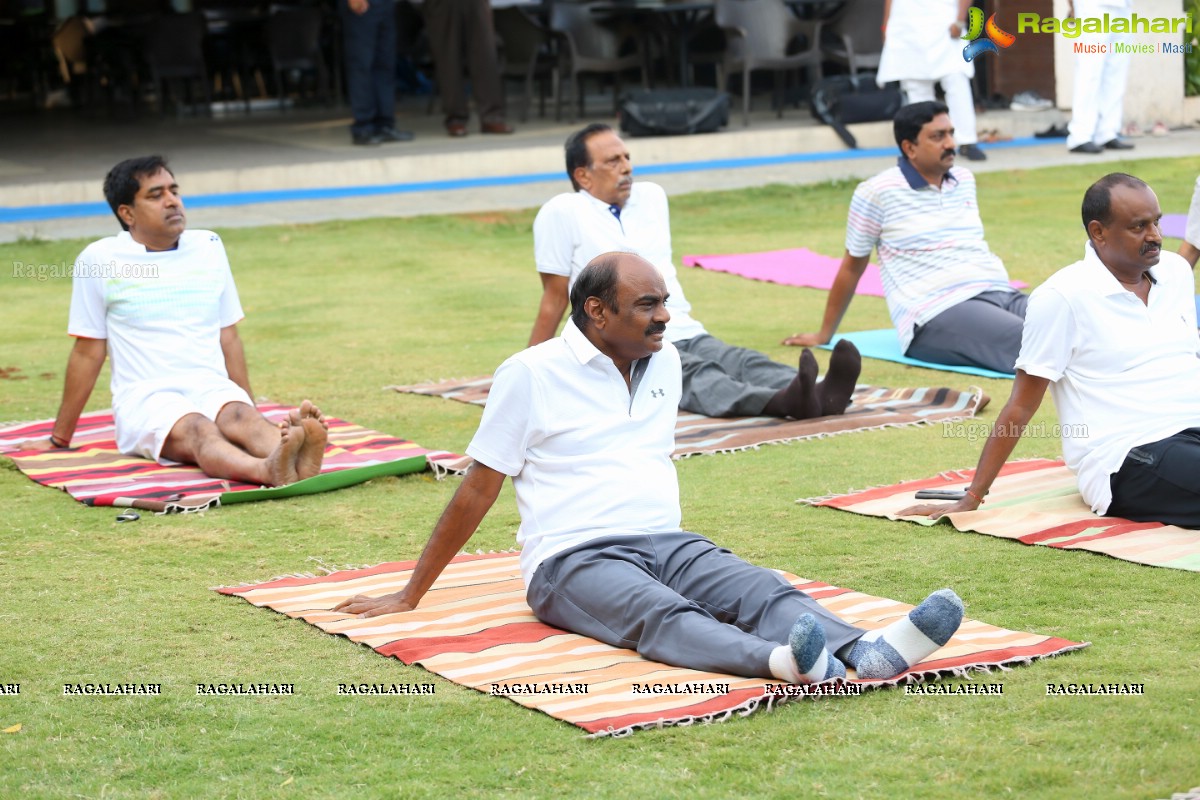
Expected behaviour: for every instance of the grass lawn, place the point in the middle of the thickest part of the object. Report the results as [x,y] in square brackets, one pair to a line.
[336,311]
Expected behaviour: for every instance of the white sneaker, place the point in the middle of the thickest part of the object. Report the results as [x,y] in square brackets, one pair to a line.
[1030,101]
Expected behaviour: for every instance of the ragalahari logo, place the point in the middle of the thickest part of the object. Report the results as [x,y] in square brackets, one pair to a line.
[996,38]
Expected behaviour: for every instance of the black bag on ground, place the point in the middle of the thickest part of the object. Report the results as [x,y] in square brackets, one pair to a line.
[841,100]
[673,112]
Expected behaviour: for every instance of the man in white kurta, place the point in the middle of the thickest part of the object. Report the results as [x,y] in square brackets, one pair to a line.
[921,47]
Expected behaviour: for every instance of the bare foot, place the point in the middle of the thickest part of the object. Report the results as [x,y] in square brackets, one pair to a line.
[281,463]
[310,456]
[306,411]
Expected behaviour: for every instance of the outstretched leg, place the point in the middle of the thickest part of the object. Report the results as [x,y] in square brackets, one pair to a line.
[195,439]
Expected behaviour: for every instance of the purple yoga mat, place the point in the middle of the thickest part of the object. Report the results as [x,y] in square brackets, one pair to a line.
[1173,225]
[796,267]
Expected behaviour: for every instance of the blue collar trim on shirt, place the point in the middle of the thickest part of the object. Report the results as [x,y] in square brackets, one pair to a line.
[914,178]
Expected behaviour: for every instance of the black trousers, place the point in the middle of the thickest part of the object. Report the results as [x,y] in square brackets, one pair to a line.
[1160,482]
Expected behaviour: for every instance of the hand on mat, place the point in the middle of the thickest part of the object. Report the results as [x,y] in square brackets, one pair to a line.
[806,340]
[936,510]
[364,606]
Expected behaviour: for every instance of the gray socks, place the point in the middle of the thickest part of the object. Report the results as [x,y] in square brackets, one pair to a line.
[885,653]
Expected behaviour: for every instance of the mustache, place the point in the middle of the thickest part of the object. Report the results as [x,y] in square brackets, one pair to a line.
[1151,246]
[657,327]
[948,153]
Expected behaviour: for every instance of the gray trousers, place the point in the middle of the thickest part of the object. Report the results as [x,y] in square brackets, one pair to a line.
[984,331]
[720,380]
[676,598]
[461,31]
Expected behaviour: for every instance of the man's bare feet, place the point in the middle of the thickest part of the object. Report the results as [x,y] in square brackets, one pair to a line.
[310,456]
[281,463]
[306,411]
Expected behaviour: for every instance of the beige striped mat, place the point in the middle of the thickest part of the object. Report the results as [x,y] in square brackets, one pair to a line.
[870,407]
[1036,502]
[475,629]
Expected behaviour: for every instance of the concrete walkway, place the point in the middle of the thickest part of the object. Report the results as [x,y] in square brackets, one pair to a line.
[292,167]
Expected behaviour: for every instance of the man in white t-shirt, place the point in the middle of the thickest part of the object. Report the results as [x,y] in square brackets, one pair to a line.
[1114,339]
[160,302]
[608,212]
[1190,249]
[584,425]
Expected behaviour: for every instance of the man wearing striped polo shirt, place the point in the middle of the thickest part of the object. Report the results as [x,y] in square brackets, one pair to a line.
[948,294]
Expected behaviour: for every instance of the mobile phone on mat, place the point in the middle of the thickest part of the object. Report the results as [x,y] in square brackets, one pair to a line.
[941,494]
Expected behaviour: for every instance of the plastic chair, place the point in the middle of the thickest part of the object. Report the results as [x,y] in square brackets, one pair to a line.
[175,51]
[294,45]
[526,54]
[854,37]
[590,46]
[761,34]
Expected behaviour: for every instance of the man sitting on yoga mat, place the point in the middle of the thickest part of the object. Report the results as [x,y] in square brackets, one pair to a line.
[1114,338]
[608,212]
[947,293]
[585,425]
[160,300]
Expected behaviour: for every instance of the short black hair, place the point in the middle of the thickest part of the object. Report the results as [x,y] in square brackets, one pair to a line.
[123,181]
[1097,200]
[907,124]
[577,151]
[598,279]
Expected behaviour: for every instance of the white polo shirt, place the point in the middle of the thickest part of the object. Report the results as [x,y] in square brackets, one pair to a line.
[1122,373]
[587,458]
[572,229]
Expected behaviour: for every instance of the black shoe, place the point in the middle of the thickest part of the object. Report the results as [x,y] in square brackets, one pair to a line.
[1087,147]
[366,138]
[972,152]
[1117,144]
[392,134]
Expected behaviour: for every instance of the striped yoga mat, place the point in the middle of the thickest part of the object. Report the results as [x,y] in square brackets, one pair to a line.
[795,267]
[871,407]
[475,629]
[95,473]
[1037,502]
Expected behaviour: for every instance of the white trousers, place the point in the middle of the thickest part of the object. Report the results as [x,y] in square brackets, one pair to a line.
[1098,99]
[958,99]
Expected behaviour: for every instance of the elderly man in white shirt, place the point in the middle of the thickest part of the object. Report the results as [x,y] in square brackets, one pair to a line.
[1114,339]
[584,424]
[609,212]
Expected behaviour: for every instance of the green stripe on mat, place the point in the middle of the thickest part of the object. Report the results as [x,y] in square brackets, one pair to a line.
[328,481]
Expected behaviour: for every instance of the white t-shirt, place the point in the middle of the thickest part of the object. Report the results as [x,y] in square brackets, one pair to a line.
[587,458]
[1192,234]
[572,229]
[161,312]
[1122,373]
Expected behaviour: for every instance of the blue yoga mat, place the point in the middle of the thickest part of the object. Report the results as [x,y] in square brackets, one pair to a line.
[884,345]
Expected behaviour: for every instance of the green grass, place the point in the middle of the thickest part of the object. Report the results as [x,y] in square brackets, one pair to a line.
[338,310]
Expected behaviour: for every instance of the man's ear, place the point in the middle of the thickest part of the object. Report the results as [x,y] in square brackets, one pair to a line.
[908,147]
[582,177]
[595,310]
[1095,231]
[125,212]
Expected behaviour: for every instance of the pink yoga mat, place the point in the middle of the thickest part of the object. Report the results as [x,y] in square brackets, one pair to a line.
[795,267]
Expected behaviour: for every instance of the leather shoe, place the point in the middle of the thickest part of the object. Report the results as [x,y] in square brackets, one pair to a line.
[456,129]
[1117,144]
[972,152]
[391,134]
[1087,147]
[366,138]
[496,127]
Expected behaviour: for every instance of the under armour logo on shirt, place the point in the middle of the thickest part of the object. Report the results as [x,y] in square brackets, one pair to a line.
[657,393]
